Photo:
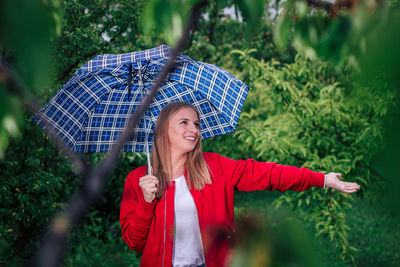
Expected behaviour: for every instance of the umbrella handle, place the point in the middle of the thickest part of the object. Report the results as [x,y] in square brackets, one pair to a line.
[145,125]
[148,158]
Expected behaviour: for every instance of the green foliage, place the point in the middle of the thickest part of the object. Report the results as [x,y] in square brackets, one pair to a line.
[30,59]
[298,114]
[167,17]
[96,27]
[35,183]
[273,240]
[97,240]
[252,12]
[332,31]
[10,113]
[372,229]
[378,236]
[379,69]
[365,35]
[35,180]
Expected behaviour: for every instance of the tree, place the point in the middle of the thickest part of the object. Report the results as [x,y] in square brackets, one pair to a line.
[295,91]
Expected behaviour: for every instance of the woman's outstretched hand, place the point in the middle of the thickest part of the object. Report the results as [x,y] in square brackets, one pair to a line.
[332,181]
[148,183]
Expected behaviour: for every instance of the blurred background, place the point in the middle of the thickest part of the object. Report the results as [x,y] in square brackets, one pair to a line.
[325,82]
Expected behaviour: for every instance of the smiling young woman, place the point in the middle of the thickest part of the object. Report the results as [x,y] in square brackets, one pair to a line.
[171,216]
[174,151]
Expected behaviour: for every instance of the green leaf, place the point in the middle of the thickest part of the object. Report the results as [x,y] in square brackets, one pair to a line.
[252,12]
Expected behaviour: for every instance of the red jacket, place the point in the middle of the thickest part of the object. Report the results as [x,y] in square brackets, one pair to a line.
[148,227]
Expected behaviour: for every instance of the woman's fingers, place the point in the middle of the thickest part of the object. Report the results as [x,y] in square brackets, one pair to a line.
[348,187]
[149,186]
[152,189]
[332,181]
[148,183]
[351,185]
[148,179]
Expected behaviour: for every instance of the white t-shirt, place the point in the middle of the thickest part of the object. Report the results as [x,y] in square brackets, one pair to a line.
[188,246]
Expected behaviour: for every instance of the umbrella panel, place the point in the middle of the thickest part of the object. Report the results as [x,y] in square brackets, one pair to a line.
[104,126]
[92,108]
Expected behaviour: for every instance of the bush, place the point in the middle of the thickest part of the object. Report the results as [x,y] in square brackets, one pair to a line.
[301,114]
[35,183]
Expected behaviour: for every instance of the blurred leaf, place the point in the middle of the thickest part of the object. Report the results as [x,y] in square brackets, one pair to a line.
[282,30]
[380,67]
[34,21]
[167,17]
[328,30]
[252,12]
[281,242]
[10,118]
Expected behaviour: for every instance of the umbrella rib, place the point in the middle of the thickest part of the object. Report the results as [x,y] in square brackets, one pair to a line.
[129,81]
[145,70]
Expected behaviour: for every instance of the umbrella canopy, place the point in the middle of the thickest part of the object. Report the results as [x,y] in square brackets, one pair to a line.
[90,111]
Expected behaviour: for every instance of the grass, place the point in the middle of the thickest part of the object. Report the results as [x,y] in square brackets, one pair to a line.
[374,232]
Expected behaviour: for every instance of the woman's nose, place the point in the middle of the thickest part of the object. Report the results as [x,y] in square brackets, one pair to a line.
[192,127]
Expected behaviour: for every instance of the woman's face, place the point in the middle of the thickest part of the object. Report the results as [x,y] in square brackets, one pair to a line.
[184,130]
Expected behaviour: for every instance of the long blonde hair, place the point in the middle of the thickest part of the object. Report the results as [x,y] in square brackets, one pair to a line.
[197,168]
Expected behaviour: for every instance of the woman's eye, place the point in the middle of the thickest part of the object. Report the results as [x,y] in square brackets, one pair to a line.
[184,122]
[197,125]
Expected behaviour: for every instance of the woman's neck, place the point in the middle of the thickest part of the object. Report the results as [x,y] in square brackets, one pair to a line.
[178,162]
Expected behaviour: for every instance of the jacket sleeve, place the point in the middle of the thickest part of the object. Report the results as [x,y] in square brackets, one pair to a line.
[249,175]
[136,215]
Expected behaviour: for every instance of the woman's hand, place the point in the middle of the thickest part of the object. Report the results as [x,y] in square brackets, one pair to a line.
[332,181]
[148,183]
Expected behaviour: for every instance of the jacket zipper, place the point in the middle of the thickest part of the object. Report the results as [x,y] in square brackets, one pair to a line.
[165,225]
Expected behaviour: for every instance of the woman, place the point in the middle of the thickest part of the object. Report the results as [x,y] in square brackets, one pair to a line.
[173,216]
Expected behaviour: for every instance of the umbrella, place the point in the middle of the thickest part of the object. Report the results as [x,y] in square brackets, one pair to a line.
[90,111]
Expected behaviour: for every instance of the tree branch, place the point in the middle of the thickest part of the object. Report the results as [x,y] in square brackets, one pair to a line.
[75,64]
[55,239]
[16,87]
[333,8]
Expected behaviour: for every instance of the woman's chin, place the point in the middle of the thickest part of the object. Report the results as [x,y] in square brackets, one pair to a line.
[190,149]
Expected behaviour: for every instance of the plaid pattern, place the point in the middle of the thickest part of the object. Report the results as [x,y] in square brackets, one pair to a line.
[91,109]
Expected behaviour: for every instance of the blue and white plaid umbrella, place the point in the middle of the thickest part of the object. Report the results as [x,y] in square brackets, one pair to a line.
[91,109]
